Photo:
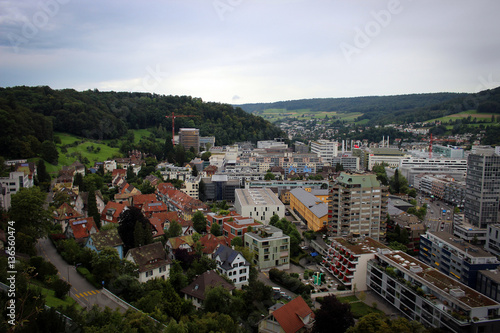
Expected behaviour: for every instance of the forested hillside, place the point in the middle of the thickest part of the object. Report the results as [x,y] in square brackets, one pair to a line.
[387,109]
[30,115]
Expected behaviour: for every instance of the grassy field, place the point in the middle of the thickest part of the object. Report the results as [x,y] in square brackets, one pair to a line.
[464,114]
[93,150]
[273,115]
[358,308]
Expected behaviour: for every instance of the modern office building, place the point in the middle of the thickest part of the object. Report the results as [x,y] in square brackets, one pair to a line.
[311,209]
[358,205]
[349,163]
[447,151]
[259,204]
[325,149]
[429,296]
[493,239]
[412,166]
[271,247]
[482,195]
[219,187]
[454,257]
[488,283]
[190,138]
[300,147]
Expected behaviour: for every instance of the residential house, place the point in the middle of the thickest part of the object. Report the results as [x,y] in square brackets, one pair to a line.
[232,263]
[210,243]
[65,214]
[111,212]
[81,203]
[294,317]
[195,292]
[154,207]
[125,193]
[106,238]
[81,229]
[141,199]
[152,261]
[176,243]
[178,201]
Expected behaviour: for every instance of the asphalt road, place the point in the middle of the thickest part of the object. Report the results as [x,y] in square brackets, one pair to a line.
[81,291]
[436,219]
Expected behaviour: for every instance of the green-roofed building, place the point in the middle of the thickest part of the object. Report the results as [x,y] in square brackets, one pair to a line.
[358,206]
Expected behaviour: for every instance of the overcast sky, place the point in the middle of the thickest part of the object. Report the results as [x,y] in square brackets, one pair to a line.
[245,51]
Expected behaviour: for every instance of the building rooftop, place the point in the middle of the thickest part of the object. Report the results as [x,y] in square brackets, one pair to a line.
[460,244]
[365,180]
[257,196]
[437,280]
[360,245]
[493,274]
[315,205]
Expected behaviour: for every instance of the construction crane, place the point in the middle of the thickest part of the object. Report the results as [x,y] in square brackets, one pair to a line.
[173,116]
[438,140]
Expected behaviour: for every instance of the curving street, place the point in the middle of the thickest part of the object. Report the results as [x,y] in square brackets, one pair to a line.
[83,292]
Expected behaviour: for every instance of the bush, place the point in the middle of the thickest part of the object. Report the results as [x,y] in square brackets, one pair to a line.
[42,268]
[88,276]
[341,287]
[61,288]
[295,275]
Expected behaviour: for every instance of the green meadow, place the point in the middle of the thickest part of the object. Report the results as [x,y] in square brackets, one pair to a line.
[273,115]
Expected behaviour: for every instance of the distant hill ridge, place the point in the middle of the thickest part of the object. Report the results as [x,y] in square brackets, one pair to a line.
[384,109]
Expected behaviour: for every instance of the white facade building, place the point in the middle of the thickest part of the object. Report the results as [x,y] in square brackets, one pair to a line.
[233,265]
[258,203]
[325,149]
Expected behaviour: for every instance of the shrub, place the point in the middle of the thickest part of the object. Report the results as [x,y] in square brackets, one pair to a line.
[61,288]
[341,287]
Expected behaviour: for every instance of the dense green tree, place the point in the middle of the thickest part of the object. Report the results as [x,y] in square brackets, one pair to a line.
[42,175]
[174,230]
[199,222]
[398,183]
[126,225]
[215,229]
[269,176]
[49,152]
[93,211]
[333,313]
[78,181]
[106,264]
[28,212]
[237,241]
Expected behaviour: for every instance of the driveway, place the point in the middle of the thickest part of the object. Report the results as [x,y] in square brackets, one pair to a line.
[81,291]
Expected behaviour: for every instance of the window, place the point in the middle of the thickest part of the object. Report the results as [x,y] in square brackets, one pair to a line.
[149,273]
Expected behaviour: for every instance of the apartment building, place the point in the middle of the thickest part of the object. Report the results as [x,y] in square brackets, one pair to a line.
[429,296]
[482,195]
[358,205]
[454,257]
[347,259]
[271,247]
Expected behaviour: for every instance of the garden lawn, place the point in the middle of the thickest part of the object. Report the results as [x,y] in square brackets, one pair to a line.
[52,301]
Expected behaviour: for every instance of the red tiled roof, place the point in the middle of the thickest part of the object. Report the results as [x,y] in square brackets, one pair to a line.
[157,225]
[152,207]
[210,242]
[290,315]
[66,212]
[82,227]
[116,208]
[141,199]
[118,172]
